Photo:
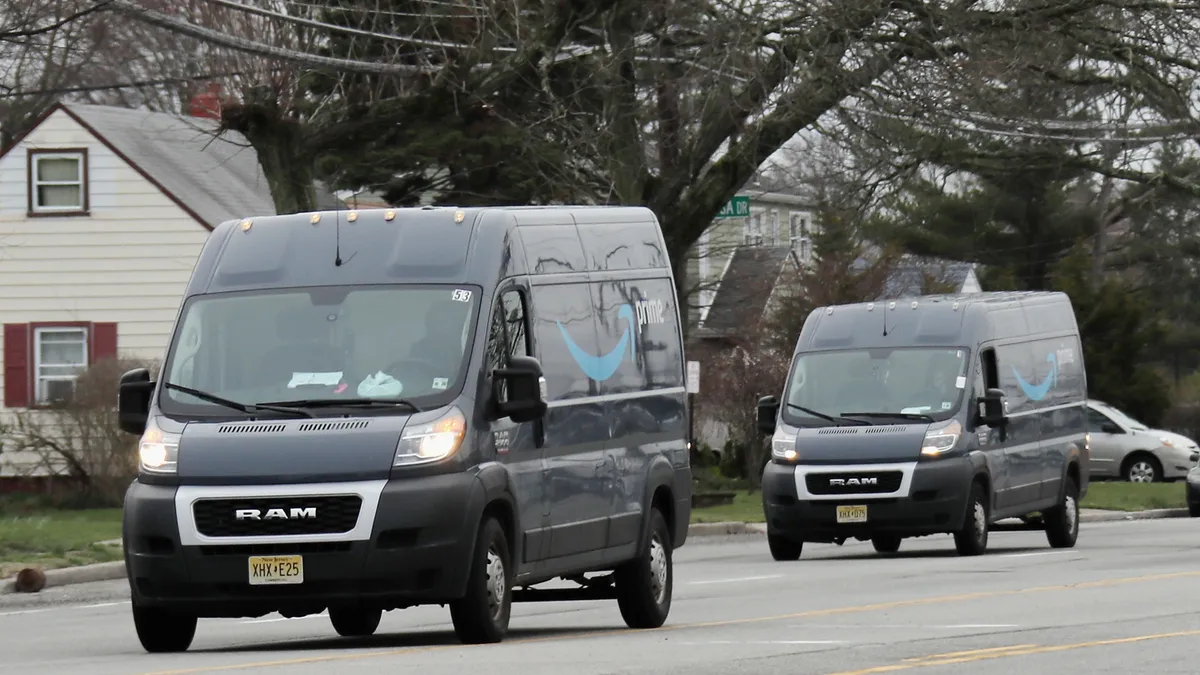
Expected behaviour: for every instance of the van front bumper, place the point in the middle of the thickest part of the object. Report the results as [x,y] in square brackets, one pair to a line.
[418,552]
[935,502]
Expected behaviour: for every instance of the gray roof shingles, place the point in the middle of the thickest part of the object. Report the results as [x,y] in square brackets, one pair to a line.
[744,290]
[217,178]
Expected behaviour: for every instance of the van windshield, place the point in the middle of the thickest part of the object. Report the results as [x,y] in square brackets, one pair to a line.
[352,342]
[889,384]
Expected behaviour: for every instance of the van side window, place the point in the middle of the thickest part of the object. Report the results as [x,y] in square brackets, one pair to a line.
[991,372]
[507,337]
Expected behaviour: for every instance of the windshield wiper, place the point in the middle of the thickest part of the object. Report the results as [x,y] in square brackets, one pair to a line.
[823,416]
[901,415]
[347,402]
[249,409]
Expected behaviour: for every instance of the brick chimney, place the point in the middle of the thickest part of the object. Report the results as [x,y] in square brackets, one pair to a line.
[207,105]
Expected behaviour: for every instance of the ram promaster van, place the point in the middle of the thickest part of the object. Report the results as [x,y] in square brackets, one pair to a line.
[367,411]
[928,415]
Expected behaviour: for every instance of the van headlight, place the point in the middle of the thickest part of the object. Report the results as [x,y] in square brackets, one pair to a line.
[431,441]
[783,444]
[158,451]
[941,439]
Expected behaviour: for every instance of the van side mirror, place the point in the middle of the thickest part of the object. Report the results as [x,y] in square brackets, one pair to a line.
[768,410]
[133,400]
[993,408]
[1195,457]
[526,400]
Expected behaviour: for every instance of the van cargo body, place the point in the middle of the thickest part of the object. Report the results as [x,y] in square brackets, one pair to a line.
[919,416]
[372,410]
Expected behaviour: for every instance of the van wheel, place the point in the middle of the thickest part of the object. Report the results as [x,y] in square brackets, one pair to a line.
[886,543]
[161,631]
[644,585]
[782,549]
[481,616]
[355,622]
[973,537]
[1062,521]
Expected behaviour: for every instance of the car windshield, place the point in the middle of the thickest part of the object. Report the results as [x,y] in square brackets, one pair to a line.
[875,385]
[1124,419]
[317,344]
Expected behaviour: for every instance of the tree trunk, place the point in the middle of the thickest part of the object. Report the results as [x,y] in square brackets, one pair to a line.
[279,140]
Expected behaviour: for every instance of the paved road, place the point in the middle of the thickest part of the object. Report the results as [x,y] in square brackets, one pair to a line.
[1124,601]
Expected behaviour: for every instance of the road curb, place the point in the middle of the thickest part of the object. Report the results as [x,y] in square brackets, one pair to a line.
[116,570]
[1115,516]
[76,575]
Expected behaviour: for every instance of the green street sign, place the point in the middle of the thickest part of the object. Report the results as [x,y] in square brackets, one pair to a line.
[738,207]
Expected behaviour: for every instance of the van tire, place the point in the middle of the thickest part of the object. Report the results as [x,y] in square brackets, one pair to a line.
[355,621]
[644,585]
[972,539]
[1062,521]
[481,616]
[783,549]
[161,631]
[886,543]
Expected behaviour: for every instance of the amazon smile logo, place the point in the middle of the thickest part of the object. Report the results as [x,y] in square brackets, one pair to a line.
[1037,392]
[603,366]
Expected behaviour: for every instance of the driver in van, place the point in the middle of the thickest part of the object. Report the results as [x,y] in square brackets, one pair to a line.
[940,389]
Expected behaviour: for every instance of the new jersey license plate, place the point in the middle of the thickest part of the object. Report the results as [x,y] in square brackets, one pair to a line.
[276,569]
[852,514]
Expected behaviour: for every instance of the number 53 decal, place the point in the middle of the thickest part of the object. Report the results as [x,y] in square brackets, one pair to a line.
[462,295]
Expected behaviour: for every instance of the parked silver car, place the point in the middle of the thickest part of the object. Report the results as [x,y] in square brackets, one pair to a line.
[1122,447]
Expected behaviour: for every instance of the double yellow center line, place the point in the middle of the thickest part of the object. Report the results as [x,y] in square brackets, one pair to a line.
[953,658]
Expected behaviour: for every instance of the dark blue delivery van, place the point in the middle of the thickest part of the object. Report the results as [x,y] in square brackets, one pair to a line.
[367,411]
[928,415]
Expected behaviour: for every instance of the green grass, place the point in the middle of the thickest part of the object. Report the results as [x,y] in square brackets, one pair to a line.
[747,506]
[1134,496]
[54,538]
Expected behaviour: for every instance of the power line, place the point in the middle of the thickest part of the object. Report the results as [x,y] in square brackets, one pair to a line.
[1180,136]
[241,7]
[136,84]
[259,49]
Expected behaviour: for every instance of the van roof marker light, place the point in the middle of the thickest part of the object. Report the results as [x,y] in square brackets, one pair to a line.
[870,306]
[246,225]
[459,216]
[316,218]
[389,215]
[352,216]
[914,304]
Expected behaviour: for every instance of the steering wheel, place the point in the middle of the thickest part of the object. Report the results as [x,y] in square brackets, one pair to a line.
[412,370]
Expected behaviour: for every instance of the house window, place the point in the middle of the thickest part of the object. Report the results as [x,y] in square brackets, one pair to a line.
[59,355]
[42,360]
[752,232]
[58,182]
[799,237]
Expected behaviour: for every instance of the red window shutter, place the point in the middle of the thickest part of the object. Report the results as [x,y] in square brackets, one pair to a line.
[18,379]
[104,341]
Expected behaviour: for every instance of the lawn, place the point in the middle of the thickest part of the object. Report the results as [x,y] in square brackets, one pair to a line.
[747,506]
[52,538]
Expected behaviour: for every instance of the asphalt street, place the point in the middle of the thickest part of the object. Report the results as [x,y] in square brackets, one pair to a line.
[1125,600]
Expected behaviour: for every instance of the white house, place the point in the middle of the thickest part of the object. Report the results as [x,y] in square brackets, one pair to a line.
[103,212]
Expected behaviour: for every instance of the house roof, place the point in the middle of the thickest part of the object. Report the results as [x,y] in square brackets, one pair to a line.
[744,290]
[907,278]
[213,178]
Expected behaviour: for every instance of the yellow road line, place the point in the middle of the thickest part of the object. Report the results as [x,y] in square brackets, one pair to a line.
[971,652]
[917,602]
[1005,652]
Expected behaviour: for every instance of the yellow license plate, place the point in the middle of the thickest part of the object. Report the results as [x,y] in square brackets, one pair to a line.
[276,569]
[852,514]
